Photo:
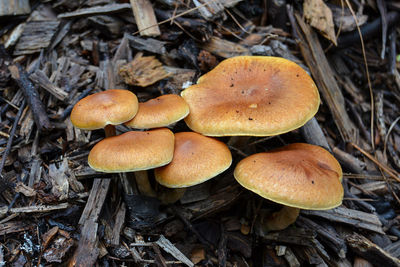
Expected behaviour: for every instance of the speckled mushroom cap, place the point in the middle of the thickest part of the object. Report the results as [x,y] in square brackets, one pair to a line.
[114,106]
[197,158]
[297,175]
[159,112]
[253,96]
[133,151]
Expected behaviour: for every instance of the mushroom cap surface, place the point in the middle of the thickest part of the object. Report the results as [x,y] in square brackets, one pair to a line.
[159,112]
[297,175]
[133,151]
[197,158]
[253,96]
[114,106]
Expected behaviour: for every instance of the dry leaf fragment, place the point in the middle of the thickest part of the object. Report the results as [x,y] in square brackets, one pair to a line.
[319,16]
[143,71]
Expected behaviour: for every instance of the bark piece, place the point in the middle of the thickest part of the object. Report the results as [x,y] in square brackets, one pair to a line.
[143,71]
[36,36]
[355,218]
[370,251]
[225,48]
[96,10]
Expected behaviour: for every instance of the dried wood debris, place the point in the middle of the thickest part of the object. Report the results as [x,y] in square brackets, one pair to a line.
[55,209]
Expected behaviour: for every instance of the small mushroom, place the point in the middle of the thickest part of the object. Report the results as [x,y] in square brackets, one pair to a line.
[298,176]
[134,152]
[197,158]
[159,112]
[104,110]
[251,96]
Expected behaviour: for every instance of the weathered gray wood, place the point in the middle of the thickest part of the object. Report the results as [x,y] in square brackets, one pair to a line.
[149,44]
[96,10]
[393,249]
[14,7]
[354,218]
[41,79]
[36,36]
[166,245]
[119,221]
[324,77]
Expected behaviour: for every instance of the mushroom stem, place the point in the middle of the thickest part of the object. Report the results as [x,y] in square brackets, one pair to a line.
[170,195]
[143,184]
[110,130]
[281,219]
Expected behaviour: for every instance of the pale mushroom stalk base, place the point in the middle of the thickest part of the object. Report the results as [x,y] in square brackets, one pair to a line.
[143,184]
[170,195]
[110,130]
[281,219]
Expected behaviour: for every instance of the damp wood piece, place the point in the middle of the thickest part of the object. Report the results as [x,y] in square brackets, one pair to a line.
[30,93]
[14,227]
[393,249]
[377,187]
[149,44]
[355,218]
[33,209]
[323,75]
[294,236]
[39,78]
[36,36]
[96,10]
[95,201]
[119,221]
[145,18]
[370,251]
[312,133]
[87,252]
[14,7]
[143,71]
[214,203]
[224,48]
[328,237]
[349,161]
[167,246]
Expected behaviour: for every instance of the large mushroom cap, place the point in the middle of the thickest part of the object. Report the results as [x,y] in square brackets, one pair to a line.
[133,151]
[297,175]
[197,158]
[251,95]
[159,112]
[114,106]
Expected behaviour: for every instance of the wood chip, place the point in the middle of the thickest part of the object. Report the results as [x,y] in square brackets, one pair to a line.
[41,79]
[224,48]
[145,18]
[14,7]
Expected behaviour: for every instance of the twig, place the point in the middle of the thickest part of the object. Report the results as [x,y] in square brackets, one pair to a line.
[10,140]
[32,96]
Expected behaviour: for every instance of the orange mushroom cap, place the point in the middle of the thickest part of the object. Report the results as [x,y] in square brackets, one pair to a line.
[133,151]
[197,158]
[159,112]
[114,106]
[297,175]
[251,95]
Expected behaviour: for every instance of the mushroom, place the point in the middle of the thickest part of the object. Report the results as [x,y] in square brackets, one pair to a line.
[251,96]
[299,176]
[104,110]
[197,158]
[133,152]
[159,112]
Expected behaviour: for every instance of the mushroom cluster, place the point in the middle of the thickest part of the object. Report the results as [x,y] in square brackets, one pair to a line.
[242,96]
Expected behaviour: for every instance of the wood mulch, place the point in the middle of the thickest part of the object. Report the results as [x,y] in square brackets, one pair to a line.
[55,209]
